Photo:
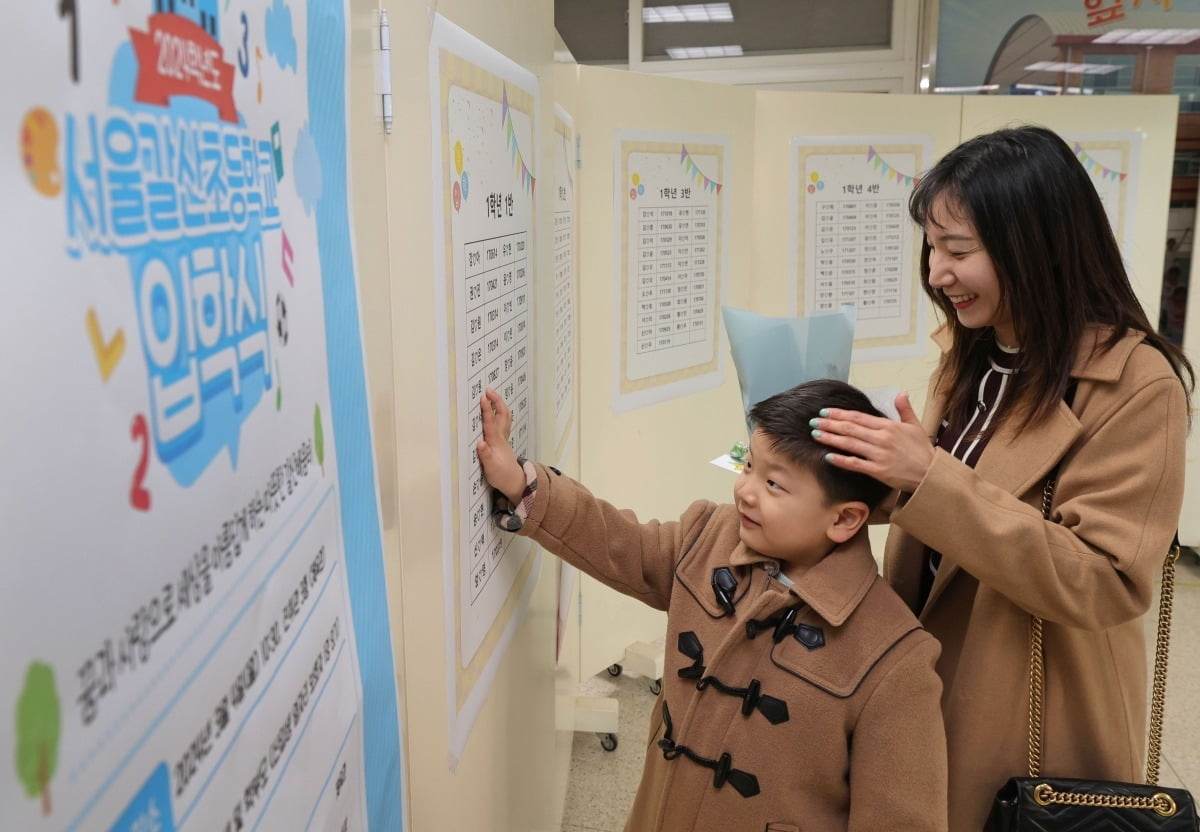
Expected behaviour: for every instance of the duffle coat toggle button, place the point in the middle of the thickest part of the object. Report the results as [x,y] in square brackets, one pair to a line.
[724,585]
[743,782]
[690,646]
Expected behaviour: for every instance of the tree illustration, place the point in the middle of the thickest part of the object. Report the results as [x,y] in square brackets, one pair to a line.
[39,726]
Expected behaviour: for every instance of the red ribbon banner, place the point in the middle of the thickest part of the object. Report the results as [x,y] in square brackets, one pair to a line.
[177,57]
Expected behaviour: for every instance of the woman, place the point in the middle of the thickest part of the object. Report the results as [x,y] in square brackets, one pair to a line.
[1050,369]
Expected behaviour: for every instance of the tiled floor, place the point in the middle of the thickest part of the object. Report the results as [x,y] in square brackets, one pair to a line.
[602,784]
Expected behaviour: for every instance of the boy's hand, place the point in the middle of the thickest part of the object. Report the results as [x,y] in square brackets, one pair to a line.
[496,456]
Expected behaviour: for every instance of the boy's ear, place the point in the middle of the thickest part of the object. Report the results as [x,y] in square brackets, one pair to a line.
[850,517]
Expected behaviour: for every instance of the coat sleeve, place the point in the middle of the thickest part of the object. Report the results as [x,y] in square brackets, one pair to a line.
[898,749]
[1116,508]
[610,544]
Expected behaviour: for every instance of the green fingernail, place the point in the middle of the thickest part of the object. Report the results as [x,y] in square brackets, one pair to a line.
[824,411]
[816,433]
[816,423]
[829,457]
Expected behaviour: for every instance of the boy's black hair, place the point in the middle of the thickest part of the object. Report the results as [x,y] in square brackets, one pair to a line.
[783,419]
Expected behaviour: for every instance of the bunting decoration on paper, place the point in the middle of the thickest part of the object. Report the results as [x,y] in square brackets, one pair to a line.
[1095,168]
[528,182]
[877,162]
[694,171]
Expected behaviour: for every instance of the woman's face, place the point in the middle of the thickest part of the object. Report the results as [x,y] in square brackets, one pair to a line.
[961,269]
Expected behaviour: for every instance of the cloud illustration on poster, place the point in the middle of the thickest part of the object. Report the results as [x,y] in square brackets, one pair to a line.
[281,41]
[306,170]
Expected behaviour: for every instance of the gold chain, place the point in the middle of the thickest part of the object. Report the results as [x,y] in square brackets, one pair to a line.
[1158,697]
[1162,646]
[1161,802]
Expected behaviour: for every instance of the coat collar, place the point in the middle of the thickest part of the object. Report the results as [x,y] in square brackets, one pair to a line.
[1089,362]
[1018,459]
[835,586]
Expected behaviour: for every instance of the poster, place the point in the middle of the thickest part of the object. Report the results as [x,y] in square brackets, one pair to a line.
[672,243]
[195,624]
[1111,160]
[485,186]
[853,241]
[564,275]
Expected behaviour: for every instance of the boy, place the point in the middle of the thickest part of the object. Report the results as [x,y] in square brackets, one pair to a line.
[801,692]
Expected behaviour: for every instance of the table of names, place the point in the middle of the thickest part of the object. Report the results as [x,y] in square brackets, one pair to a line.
[859,256]
[564,317]
[495,327]
[674,281]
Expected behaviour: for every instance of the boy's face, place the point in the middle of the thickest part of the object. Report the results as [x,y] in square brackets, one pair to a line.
[785,513]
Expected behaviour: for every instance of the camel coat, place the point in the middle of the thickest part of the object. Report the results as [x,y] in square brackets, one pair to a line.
[858,742]
[1089,572]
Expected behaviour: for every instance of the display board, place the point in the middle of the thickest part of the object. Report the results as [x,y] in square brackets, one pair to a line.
[671,245]
[484,191]
[853,242]
[197,635]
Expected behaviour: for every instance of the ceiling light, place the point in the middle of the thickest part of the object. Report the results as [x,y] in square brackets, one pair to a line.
[686,52]
[1077,68]
[719,12]
[975,88]
[693,13]
[1173,37]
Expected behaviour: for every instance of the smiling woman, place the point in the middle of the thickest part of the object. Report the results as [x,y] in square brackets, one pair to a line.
[1050,371]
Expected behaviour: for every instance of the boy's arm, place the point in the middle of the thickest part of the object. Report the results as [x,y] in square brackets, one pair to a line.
[898,751]
[636,559]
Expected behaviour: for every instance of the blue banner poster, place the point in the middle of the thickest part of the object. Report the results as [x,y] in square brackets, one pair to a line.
[194,620]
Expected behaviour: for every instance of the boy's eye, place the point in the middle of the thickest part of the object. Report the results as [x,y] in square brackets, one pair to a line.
[773,484]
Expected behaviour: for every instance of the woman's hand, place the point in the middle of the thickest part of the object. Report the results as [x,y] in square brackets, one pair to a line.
[496,457]
[895,453]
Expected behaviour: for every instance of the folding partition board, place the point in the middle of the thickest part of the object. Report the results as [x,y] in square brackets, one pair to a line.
[652,419]
[486,176]
[1127,144]
[197,633]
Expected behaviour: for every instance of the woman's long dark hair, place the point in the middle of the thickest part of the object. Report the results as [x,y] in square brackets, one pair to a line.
[1034,209]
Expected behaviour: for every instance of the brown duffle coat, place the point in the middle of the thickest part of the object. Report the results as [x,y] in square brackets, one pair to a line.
[834,725]
[1089,572]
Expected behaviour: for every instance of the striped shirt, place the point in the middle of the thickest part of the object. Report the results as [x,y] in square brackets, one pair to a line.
[967,442]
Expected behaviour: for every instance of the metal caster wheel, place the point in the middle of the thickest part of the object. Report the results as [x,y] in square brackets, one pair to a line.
[608,741]
[614,670]
[656,686]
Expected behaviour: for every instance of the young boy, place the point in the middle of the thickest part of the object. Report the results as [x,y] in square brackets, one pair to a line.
[800,692]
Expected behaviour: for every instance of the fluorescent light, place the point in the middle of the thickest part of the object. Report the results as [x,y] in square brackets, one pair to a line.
[1077,68]
[1040,87]
[975,88]
[686,52]
[693,13]
[719,12]
[1172,37]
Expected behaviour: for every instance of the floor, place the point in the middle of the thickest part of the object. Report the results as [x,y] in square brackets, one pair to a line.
[602,784]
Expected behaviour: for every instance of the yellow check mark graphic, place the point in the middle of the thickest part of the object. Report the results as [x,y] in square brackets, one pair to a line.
[108,356]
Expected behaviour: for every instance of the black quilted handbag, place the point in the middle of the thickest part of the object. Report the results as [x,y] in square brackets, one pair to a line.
[1047,804]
